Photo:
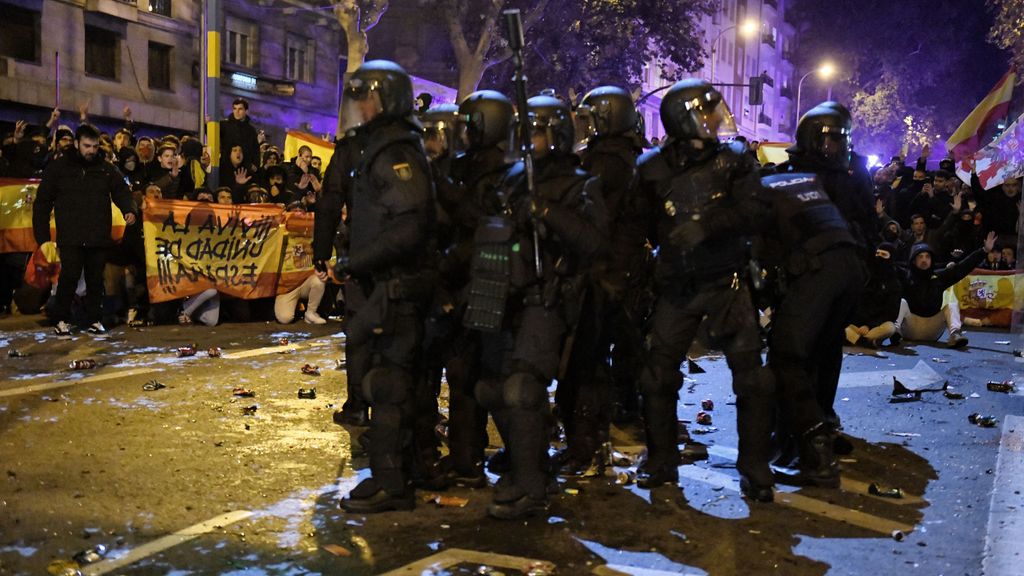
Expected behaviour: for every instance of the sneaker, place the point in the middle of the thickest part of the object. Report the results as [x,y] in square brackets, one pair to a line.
[956,340]
[895,339]
[311,317]
[62,329]
[184,319]
[97,328]
[133,313]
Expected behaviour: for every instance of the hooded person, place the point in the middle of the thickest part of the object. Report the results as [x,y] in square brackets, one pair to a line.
[128,164]
[193,175]
[923,313]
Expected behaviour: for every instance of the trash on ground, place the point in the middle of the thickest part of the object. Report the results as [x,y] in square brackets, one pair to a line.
[340,364]
[974,395]
[63,568]
[153,385]
[282,341]
[86,364]
[15,353]
[365,552]
[1002,342]
[625,478]
[250,410]
[705,430]
[243,392]
[707,404]
[213,352]
[310,370]
[901,398]
[693,368]
[982,421]
[307,393]
[703,418]
[572,491]
[905,434]
[444,501]
[1006,386]
[621,460]
[940,360]
[953,395]
[90,556]
[884,491]
[898,535]
[184,351]
[337,550]
[899,389]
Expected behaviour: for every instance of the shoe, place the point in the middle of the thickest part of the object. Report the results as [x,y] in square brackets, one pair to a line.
[184,319]
[895,339]
[311,317]
[648,478]
[523,507]
[865,342]
[956,340]
[818,466]
[500,462]
[359,418]
[62,329]
[693,452]
[97,328]
[133,313]
[369,498]
[755,492]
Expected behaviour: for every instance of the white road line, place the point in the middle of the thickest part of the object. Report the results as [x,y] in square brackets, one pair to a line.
[169,541]
[1003,549]
[86,380]
[454,556]
[920,376]
[274,350]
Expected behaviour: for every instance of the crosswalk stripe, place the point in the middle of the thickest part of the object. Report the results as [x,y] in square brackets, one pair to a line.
[1006,520]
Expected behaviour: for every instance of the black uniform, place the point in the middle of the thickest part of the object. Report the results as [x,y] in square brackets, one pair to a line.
[708,282]
[520,361]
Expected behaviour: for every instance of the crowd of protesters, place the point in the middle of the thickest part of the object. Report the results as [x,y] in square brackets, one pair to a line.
[251,171]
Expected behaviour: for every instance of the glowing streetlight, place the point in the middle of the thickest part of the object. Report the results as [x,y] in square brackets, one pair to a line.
[747,29]
[825,71]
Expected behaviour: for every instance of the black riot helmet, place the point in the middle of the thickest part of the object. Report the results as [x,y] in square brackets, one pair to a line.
[552,118]
[487,116]
[378,89]
[441,129]
[823,135]
[693,109]
[606,111]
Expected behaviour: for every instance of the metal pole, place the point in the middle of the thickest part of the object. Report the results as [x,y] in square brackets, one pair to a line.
[211,95]
[203,28]
[799,93]
[56,67]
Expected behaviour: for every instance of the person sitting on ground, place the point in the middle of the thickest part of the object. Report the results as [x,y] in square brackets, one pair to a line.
[874,321]
[923,316]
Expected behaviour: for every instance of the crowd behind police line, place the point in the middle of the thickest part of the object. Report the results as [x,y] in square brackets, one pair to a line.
[596,264]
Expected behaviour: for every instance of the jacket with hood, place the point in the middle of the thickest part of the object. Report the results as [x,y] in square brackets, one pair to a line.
[922,289]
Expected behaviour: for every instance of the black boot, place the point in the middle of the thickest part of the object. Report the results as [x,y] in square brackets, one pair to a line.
[369,498]
[523,507]
[818,466]
[754,412]
[648,477]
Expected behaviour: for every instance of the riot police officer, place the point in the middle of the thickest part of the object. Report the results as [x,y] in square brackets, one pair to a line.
[688,176]
[608,124]
[389,252]
[485,120]
[528,300]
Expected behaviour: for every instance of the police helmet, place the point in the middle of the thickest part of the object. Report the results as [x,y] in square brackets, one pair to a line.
[693,109]
[606,111]
[385,84]
[823,135]
[487,116]
[552,118]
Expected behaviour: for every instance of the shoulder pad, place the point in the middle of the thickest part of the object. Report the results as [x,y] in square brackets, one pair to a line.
[805,180]
[401,158]
[653,166]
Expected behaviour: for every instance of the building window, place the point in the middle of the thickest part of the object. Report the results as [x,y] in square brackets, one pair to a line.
[240,42]
[299,59]
[102,53]
[20,39]
[161,7]
[159,66]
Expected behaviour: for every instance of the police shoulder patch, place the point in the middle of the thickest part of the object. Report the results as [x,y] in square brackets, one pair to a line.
[403,171]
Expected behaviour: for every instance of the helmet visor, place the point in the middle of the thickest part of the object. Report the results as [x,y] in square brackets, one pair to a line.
[834,145]
[586,127]
[361,103]
[713,119]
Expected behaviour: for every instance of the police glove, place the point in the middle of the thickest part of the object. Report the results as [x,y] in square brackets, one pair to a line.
[688,234]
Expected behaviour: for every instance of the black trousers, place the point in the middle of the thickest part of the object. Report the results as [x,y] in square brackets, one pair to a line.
[357,355]
[806,348]
[74,260]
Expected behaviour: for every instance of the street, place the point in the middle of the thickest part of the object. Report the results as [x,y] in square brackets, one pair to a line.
[179,480]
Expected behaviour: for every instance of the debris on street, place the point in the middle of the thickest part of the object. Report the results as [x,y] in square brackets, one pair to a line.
[1006,386]
[243,392]
[707,404]
[703,418]
[982,421]
[307,393]
[953,395]
[310,370]
[153,385]
[213,352]
[189,350]
[86,364]
[15,353]
[884,492]
[250,410]
[337,550]
[693,368]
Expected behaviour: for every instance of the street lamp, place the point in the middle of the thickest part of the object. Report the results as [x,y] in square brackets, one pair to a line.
[747,29]
[825,71]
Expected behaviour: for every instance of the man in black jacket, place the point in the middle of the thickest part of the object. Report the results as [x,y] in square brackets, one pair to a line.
[922,313]
[237,130]
[79,187]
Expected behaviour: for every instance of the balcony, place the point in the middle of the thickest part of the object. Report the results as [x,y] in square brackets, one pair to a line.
[786,92]
[765,119]
[126,10]
[768,39]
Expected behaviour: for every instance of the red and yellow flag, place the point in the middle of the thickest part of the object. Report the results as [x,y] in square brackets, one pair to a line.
[293,140]
[969,137]
[16,197]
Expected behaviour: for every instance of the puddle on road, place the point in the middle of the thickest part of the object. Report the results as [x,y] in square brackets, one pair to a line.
[23,551]
[620,559]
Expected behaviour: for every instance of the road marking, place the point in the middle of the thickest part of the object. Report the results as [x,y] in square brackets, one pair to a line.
[169,541]
[1006,511]
[846,484]
[920,376]
[86,380]
[278,349]
[454,556]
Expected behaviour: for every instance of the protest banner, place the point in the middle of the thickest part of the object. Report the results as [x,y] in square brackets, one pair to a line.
[989,296]
[193,246]
[297,262]
[1001,160]
[16,197]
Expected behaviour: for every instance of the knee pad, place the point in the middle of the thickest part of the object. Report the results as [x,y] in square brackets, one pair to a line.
[525,391]
[488,394]
[386,386]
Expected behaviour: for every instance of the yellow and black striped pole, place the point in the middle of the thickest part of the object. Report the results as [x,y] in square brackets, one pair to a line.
[209,88]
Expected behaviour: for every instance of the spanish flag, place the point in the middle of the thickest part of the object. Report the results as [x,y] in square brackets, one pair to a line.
[294,139]
[970,136]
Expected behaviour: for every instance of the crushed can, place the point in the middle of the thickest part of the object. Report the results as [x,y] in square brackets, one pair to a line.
[1006,386]
[90,556]
[703,418]
[310,370]
[250,410]
[15,353]
[243,392]
[982,421]
[307,393]
[625,478]
[86,364]
[884,491]
[707,404]
[184,351]
[282,341]
[213,352]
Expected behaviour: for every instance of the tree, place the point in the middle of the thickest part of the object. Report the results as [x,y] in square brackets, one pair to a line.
[356,18]
[1008,29]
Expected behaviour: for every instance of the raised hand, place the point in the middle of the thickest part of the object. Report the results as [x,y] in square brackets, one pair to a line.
[242,176]
[990,241]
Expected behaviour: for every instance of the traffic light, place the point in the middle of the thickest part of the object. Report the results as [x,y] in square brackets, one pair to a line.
[756,96]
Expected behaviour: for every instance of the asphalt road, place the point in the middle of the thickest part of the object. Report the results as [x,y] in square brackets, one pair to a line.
[180,481]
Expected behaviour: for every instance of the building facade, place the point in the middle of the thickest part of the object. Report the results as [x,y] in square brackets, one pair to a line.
[734,59]
[145,54]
